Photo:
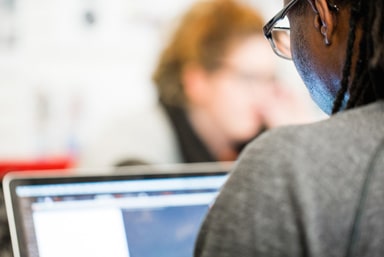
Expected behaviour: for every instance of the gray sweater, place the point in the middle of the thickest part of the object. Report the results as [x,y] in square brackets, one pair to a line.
[294,192]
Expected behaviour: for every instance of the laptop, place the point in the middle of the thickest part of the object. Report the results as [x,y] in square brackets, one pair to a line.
[140,211]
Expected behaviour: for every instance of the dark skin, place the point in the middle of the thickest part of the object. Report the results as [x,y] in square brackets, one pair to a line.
[318,40]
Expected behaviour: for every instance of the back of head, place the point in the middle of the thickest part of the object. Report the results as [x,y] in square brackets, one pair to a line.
[367,25]
[203,37]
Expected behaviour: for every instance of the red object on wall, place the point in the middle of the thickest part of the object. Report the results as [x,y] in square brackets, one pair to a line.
[41,165]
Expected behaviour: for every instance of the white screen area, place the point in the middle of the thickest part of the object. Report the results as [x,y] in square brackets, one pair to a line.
[96,232]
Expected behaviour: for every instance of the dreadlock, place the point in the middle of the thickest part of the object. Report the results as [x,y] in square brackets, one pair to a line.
[368,74]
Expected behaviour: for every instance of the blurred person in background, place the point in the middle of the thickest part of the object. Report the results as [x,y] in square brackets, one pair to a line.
[218,89]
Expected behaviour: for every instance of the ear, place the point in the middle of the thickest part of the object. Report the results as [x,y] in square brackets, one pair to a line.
[325,20]
[195,84]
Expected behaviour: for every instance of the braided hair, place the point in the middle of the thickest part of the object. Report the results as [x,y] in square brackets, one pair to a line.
[369,69]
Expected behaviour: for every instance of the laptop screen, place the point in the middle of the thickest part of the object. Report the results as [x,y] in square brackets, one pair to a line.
[119,215]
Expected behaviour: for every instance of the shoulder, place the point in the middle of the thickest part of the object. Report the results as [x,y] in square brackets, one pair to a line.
[363,124]
[343,140]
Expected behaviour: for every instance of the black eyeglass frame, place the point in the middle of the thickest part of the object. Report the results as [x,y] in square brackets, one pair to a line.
[267,29]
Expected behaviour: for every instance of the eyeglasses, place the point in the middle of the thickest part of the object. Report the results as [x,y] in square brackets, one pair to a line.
[277,31]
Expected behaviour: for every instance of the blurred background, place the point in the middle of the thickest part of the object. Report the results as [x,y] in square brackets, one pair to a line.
[68,67]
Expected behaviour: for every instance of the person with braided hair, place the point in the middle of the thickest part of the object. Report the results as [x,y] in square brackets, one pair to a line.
[317,189]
